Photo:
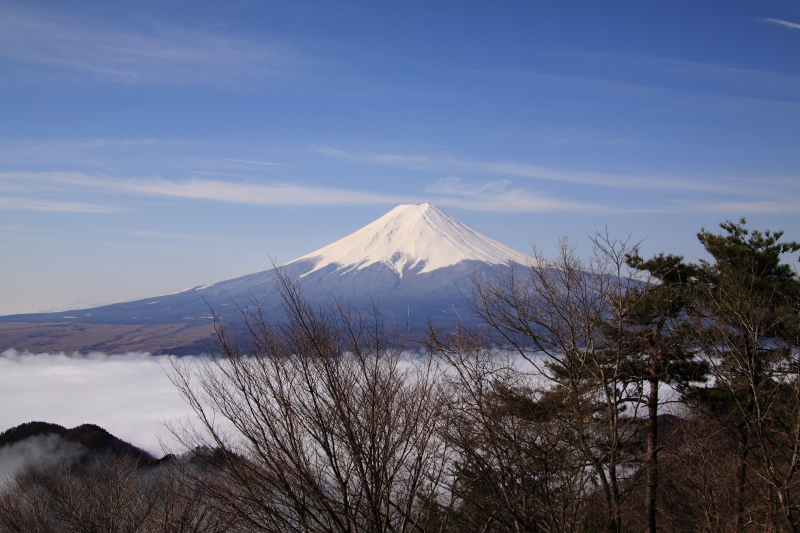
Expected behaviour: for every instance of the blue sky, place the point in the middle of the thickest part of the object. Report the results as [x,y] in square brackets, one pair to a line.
[146,147]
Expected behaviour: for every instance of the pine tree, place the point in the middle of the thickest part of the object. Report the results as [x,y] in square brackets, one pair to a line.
[654,339]
[745,311]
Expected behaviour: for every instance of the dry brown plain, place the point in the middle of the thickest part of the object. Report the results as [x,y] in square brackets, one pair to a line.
[179,339]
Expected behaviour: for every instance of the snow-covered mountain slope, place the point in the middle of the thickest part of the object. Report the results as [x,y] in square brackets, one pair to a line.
[420,237]
[416,263]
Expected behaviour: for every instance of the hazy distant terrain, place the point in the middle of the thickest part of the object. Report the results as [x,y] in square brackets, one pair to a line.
[179,339]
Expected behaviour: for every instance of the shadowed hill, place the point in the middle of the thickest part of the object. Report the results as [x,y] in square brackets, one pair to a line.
[93,440]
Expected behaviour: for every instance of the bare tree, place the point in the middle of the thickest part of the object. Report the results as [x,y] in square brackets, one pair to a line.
[516,465]
[182,505]
[569,319]
[111,497]
[322,424]
[112,494]
[24,506]
[698,477]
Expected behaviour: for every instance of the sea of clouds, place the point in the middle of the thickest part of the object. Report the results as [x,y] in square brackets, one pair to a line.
[129,395]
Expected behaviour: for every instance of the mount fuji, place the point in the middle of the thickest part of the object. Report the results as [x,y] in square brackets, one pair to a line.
[415,262]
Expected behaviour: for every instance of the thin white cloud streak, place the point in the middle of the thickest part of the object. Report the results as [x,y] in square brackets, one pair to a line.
[780,22]
[770,188]
[487,197]
[494,195]
[564,136]
[178,236]
[167,54]
[497,196]
[199,189]
[686,87]
[128,395]
[32,204]
[258,163]
[748,207]
[243,193]
[676,70]
[226,174]
[220,174]
[449,163]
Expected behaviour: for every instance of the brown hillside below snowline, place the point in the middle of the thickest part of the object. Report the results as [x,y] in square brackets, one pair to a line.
[179,339]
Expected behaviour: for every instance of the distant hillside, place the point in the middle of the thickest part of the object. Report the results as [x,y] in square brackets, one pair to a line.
[34,444]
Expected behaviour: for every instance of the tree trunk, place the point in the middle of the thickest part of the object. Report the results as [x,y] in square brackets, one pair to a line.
[616,508]
[741,481]
[652,455]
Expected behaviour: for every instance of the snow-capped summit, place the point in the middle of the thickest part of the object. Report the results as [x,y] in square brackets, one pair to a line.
[408,236]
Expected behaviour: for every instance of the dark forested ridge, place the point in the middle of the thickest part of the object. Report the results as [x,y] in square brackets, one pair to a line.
[93,441]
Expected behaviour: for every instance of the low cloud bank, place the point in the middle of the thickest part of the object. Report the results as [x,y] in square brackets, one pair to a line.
[129,395]
[35,452]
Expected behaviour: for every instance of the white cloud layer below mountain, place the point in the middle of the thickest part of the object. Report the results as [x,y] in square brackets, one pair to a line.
[128,395]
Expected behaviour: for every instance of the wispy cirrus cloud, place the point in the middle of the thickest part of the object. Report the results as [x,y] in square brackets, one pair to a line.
[34,204]
[68,47]
[780,22]
[491,196]
[216,190]
[266,163]
[237,192]
[451,164]
[499,196]
[721,193]
[147,234]
[669,72]
[685,86]
[755,206]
